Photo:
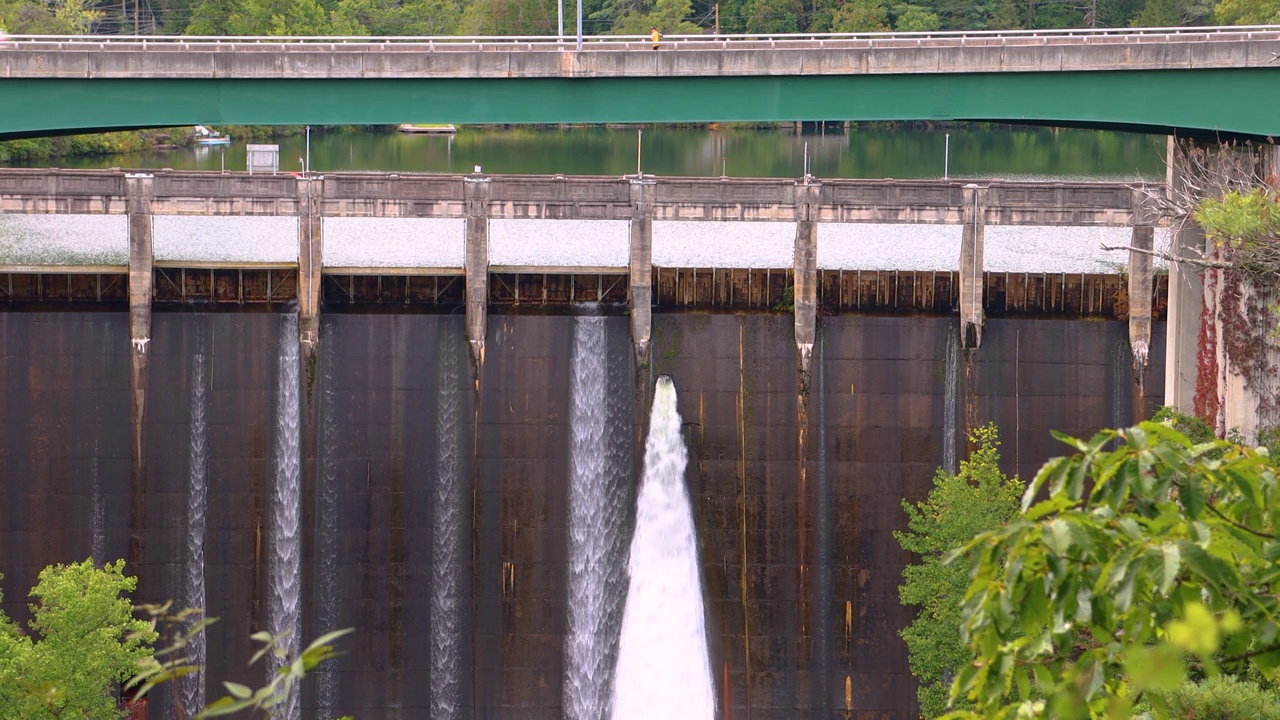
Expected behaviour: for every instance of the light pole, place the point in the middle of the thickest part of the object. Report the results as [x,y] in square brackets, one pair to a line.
[946,157]
[307,167]
[579,25]
[639,142]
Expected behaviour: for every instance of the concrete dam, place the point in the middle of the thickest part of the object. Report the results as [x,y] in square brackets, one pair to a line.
[362,401]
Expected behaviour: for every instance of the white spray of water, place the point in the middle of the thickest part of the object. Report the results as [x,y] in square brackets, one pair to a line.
[663,668]
[192,686]
[591,639]
[447,536]
[284,601]
[950,402]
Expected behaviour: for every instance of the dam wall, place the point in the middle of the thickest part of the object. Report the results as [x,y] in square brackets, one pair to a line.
[434,509]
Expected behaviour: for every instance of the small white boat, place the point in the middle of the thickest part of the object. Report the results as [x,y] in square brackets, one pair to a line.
[205,136]
[428,129]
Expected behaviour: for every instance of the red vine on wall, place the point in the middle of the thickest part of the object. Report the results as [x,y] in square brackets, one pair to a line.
[1207,402]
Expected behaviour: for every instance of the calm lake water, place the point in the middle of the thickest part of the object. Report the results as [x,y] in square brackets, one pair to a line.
[861,152]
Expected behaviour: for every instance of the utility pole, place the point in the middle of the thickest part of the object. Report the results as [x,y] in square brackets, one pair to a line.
[717,18]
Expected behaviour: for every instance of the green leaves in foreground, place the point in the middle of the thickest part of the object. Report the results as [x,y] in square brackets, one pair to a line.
[1139,561]
[171,663]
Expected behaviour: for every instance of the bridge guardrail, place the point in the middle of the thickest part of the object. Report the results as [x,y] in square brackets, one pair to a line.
[530,43]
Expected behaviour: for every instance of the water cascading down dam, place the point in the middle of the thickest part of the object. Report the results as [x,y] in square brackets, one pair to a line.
[664,672]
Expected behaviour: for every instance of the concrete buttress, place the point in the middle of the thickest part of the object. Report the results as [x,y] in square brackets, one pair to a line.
[640,264]
[805,287]
[476,264]
[971,267]
[310,266]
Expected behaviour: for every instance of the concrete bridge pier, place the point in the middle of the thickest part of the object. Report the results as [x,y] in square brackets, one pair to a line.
[310,266]
[139,194]
[1140,278]
[476,265]
[971,266]
[640,265]
[805,284]
[141,279]
[1141,275]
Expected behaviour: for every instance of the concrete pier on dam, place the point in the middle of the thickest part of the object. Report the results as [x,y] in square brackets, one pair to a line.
[436,362]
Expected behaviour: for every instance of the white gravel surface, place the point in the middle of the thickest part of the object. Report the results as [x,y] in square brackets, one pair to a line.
[560,243]
[717,244]
[64,240]
[394,242]
[1051,249]
[225,239]
[887,246]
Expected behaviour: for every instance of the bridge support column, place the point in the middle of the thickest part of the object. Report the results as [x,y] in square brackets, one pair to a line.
[971,267]
[310,267]
[476,265]
[805,285]
[640,263]
[139,191]
[1186,297]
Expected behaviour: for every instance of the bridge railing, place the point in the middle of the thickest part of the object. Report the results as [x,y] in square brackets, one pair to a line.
[549,43]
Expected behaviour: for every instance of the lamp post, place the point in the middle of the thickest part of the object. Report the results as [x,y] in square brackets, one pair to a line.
[306,170]
[579,25]
[946,157]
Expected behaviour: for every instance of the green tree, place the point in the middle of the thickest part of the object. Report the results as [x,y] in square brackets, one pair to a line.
[84,639]
[1139,562]
[669,16]
[913,18]
[860,16]
[1247,12]
[976,499]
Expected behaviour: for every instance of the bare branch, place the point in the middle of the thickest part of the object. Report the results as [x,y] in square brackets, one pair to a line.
[1171,257]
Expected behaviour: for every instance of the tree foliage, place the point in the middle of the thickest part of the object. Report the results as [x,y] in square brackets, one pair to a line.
[1140,561]
[976,499]
[84,638]
[172,662]
[538,17]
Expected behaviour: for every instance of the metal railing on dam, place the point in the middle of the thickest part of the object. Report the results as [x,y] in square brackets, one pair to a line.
[344,236]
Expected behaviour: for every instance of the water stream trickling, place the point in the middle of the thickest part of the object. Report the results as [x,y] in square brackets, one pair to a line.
[594,562]
[285,558]
[447,561]
[663,667]
[98,513]
[950,403]
[1121,374]
[191,687]
[327,597]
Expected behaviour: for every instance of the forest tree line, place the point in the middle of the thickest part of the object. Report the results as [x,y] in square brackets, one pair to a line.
[539,17]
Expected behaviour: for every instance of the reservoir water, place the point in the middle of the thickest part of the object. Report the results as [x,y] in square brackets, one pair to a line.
[834,152]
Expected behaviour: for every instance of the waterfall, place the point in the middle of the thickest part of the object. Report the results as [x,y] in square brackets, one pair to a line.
[191,687]
[663,667]
[950,402]
[1121,377]
[97,513]
[285,548]
[824,542]
[327,596]
[597,462]
[448,525]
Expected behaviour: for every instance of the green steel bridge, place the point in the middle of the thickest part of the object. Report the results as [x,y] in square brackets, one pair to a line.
[1189,81]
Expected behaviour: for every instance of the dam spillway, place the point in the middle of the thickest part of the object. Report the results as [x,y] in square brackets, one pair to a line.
[882,436]
[445,456]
